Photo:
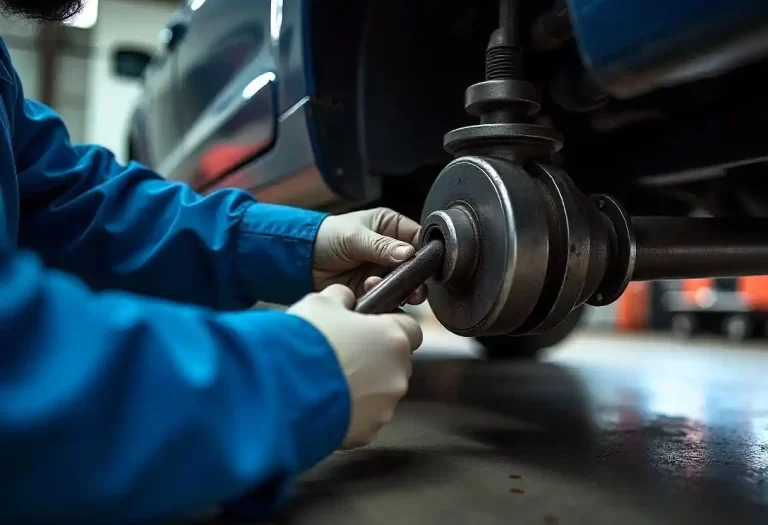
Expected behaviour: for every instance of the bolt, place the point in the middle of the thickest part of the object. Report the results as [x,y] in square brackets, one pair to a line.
[503,56]
[504,61]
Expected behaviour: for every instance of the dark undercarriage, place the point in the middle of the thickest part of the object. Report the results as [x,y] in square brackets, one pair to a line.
[393,84]
[390,87]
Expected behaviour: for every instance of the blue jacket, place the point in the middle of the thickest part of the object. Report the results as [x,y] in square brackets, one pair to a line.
[115,401]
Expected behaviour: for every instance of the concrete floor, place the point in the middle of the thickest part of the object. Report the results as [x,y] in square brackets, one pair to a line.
[607,430]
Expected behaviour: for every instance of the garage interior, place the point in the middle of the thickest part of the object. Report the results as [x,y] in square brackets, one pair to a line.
[654,412]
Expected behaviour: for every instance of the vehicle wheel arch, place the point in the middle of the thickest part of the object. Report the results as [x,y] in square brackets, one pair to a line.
[394,111]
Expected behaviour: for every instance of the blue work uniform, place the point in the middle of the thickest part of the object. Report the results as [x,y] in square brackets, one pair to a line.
[114,401]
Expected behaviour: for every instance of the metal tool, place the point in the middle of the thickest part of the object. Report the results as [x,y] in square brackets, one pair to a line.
[395,288]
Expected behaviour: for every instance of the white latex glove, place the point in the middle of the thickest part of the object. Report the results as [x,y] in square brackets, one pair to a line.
[374,352]
[355,249]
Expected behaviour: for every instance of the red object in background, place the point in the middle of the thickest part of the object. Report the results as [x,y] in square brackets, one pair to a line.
[221,158]
[755,292]
[632,307]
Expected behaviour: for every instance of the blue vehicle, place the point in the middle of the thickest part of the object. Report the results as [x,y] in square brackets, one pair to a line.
[338,105]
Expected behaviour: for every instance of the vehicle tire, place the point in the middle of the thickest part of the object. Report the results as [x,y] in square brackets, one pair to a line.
[684,326]
[738,327]
[504,347]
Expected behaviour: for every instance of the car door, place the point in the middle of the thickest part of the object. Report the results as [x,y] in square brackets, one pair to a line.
[162,129]
[226,89]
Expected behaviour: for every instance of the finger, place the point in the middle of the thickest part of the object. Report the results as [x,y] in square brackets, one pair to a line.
[398,226]
[419,296]
[369,246]
[410,328]
[340,294]
[370,282]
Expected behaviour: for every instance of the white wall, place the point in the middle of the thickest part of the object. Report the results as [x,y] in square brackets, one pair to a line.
[94,103]
[111,99]
[20,37]
[70,95]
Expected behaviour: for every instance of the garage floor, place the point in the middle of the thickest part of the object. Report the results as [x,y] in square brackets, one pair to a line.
[607,431]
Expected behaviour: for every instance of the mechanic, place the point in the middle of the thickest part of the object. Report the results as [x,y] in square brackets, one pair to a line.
[117,404]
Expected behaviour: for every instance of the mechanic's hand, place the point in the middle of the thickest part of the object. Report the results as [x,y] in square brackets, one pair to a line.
[374,352]
[356,248]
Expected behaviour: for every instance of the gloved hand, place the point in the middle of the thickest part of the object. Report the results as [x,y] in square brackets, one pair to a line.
[355,249]
[374,352]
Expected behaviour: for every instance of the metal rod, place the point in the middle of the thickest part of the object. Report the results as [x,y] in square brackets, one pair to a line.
[686,248]
[395,288]
[508,14]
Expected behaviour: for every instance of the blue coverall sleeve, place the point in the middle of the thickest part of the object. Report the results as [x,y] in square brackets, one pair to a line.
[124,227]
[116,408]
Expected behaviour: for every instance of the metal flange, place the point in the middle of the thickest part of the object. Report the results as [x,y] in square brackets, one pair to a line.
[509,238]
[522,248]
[518,140]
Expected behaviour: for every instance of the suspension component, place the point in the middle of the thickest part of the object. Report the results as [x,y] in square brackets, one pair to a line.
[503,101]
[509,245]
[523,248]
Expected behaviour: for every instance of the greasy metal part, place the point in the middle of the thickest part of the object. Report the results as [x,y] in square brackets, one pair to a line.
[579,238]
[502,102]
[395,288]
[508,12]
[526,247]
[622,251]
[514,287]
[498,140]
[511,241]
[539,247]
[552,29]
[457,227]
[523,246]
[683,247]
[509,97]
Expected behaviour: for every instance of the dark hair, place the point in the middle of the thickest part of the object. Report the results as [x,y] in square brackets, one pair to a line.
[41,10]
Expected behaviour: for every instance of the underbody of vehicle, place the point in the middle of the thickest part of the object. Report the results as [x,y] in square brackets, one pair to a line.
[583,135]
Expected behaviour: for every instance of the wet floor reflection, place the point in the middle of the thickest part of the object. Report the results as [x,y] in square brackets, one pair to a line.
[652,433]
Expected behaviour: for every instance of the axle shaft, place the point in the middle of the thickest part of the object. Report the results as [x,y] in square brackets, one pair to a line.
[686,248]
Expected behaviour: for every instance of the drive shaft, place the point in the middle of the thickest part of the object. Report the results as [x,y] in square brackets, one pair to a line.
[687,248]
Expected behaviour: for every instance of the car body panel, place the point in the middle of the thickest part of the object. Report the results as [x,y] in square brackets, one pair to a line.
[156,123]
[288,173]
[236,73]
[634,46]
[234,102]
